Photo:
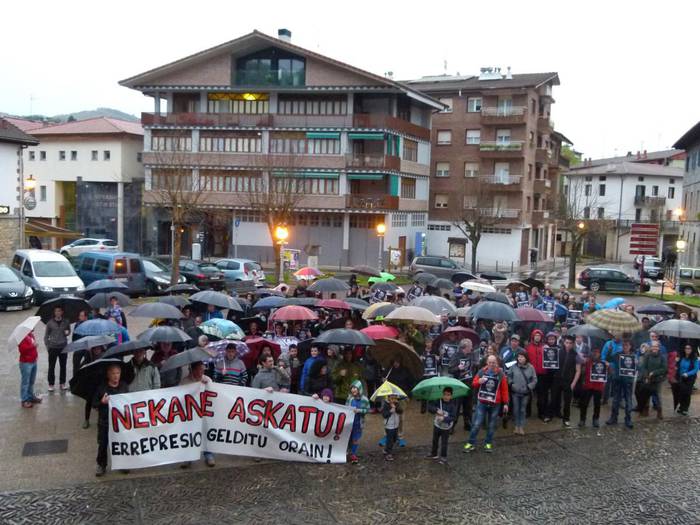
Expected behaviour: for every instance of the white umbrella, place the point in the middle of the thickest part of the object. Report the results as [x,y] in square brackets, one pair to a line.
[21,331]
[476,286]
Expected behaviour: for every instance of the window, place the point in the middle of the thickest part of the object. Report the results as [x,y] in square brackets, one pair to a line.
[289,105]
[602,178]
[441,200]
[270,67]
[418,219]
[473,136]
[601,190]
[587,212]
[529,172]
[439,228]
[491,229]
[654,191]
[471,169]
[442,169]
[42,155]
[399,220]
[448,103]
[444,137]
[638,214]
[87,264]
[134,266]
[32,155]
[601,213]
[474,104]
[62,155]
[42,193]
[139,156]
[589,178]
[236,143]
[102,266]
[671,192]
[532,138]
[640,179]
[469,201]
[408,188]
[94,155]
[106,155]
[73,155]
[503,136]
[672,181]
[587,190]
[174,143]
[410,150]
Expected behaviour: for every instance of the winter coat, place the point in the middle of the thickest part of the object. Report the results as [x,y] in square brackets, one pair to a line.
[449,408]
[522,379]
[501,393]
[344,376]
[359,403]
[27,349]
[534,352]
[55,334]
[653,368]
[306,369]
[316,381]
[146,376]
[567,365]
[266,377]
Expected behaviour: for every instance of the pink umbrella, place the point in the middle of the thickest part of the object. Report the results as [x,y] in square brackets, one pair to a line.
[526,313]
[462,333]
[294,313]
[307,271]
[333,304]
[379,331]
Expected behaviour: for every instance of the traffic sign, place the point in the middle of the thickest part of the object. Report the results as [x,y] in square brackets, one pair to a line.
[4,210]
[644,239]
[237,222]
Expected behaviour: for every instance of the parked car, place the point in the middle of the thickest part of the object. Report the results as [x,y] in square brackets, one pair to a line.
[88,245]
[596,279]
[48,274]
[202,274]
[158,276]
[241,270]
[653,268]
[14,292]
[440,267]
[689,280]
[124,267]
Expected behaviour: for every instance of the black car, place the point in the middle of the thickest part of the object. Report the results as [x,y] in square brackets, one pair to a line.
[14,293]
[204,275]
[157,276]
[612,279]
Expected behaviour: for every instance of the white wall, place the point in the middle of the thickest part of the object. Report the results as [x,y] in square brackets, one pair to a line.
[253,234]
[422,188]
[8,175]
[423,153]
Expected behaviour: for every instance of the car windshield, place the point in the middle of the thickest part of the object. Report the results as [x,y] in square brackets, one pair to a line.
[8,276]
[53,269]
[155,266]
[109,243]
[209,267]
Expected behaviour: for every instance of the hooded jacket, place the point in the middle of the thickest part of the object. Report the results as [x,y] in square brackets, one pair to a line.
[317,382]
[146,376]
[449,408]
[501,393]
[305,371]
[522,379]
[359,403]
[534,352]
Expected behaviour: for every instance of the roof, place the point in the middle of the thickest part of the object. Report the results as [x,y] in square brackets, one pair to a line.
[44,229]
[25,124]
[627,168]
[250,40]
[562,138]
[643,157]
[472,83]
[690,137]
[11,133]
[92,126]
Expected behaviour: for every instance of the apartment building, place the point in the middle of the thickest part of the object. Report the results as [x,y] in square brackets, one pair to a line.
[690,227]
[244,114]
[494,153]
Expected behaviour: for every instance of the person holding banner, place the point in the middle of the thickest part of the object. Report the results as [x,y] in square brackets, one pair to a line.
[623,372]
[359,403]
[492,393]
[231,370]
[197,375]
[112,385]
[595,376]
[306,369]
[267,377]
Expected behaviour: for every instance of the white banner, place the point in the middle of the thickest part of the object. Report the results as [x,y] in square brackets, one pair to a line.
[170,425]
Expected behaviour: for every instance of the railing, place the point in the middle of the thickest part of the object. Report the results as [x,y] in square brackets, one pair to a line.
[206,119]
[665,225]
[539,183]
[645,200]
[543,155]
[505,180]
[369,120]
[502,213]
[513,145]
[539,215]
[495,111]
[372,202]
[545,123]
[386,162]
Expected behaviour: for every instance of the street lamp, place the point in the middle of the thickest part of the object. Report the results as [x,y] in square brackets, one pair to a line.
[681,245]
[581,225]
[381,230]
[281,234]
[30,183]
[27,185]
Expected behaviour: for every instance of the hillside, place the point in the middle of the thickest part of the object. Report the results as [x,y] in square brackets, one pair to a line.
[80,115]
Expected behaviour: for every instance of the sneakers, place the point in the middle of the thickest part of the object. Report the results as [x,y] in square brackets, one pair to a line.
[354,459]
[566,423]
[611,422]
[430,456]
[86,424]
[442,461]
[209,460]
[36,400]
[27,404]
[468,447]
[64,387]
[402,442]
[388,457]
[100,471]
[547,419]
[683,412]
[488,447]
[51,388]
[596,424]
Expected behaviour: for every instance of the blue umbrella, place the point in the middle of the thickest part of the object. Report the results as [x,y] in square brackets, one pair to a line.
[98,327]
[221,328]
[273,301]
[613,303]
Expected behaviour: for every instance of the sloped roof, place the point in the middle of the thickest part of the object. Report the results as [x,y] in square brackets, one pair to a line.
[472,83]
[627,168]
[690,137]
[93,126]
[25,124]
[652,155]
[11,133]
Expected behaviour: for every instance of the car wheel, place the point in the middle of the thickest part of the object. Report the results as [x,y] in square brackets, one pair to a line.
[595,286]
[688,291]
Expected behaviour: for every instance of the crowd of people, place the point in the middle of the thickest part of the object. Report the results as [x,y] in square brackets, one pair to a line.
[513,370]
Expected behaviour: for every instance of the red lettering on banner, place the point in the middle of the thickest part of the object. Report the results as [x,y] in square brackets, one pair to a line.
[318,432]
[254,410]
[289,419]
[176,410]
[341,423]
[139,417]
[154,412]
[270,412]
[307,411]
[206,398]
[237,410]
[121,418]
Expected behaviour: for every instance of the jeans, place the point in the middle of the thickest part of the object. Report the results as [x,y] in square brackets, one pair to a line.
[543,387]
[208,455]
[28,374]
[586,396]
[685,390]
[482,411]
[621,390]
[442,435]
[520,402]
[561,390]
[392,434]
[56,354]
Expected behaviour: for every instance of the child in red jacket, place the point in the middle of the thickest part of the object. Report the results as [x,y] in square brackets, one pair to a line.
[492,393]
[28,356]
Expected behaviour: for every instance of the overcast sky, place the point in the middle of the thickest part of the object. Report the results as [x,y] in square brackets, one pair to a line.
[629,80]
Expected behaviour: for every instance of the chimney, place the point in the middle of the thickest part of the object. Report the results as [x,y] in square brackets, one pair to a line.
[284,35]
[509,75]
[644,155]
[639,156]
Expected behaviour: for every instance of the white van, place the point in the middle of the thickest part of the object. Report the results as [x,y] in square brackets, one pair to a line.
[48,273]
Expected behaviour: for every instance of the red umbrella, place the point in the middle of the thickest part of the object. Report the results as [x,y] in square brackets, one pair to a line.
[379,331]
[307,271]
[255,345]
[294,313]
[528,314]
[462,333]
[333,304]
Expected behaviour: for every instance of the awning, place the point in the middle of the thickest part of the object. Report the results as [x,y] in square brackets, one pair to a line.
[45,229]
[307,174]
[366,176]
[322,135]
[366,136]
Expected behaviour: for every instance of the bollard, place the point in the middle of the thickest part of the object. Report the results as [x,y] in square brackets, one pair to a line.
[496,265]
[511,266]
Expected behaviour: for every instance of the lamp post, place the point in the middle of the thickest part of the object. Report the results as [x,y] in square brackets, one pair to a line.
[681,245]
[381,230]
[281,234]
[24,186]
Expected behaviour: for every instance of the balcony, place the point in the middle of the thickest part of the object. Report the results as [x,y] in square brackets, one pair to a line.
[312,121]
[499,149]
[508,214]
[503,116]
[371,202]
[206,119]
[374,162]
[543,155]
[654,202]
[545,124]
[542,185]
[539,216]
[377,121]
[254,161]
[506,181]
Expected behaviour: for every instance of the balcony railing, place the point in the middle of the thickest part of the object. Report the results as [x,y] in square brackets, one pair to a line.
[644,200]
[370,120]
[513,145]
[496,111]
[380,162]
[545,124]
[503,180]
[502,213]
[206,119]
[542,183]
[539,215]
[371,202]
[543,155]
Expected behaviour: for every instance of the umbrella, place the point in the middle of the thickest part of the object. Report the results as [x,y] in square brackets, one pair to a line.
[156,311]
[89,376]
[678,328]
[613,303]
[218,299]
[88,342]
[387,389]
[266,292]
[71,306]
[462,333]
[177,301]
[463,311]
[182,288]
[532,315]
[476,286]
[105,285]
[344,336]
[679,307]
[366,270]
[436,304]
[21,331]
[515,285]
[380,312]
[369,312]
[307,272]
[441,284]
[656,309]
[333,304]
[587,330]
[386,351]
[330,284]
[559,309]
[193,355]
[413,314]
[301,301]
[220,346]
[256,345]
[164,334]
[385,287]
[383,278]
[126,348]
[294,313]
[103,299]
[268,303]
[222,328]
[97,327]
[493,276]
[431,389]
[357,304]
[614,321]
[424,278]
[460,277]
[497,297]
[493,311]
[531,282]
[380,331]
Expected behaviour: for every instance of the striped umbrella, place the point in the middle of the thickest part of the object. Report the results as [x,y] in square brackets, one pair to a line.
[614,321]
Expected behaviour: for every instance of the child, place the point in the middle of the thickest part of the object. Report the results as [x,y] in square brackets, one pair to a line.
[360,405]
[114,311]
[391,412]
[111,386]
[445,411]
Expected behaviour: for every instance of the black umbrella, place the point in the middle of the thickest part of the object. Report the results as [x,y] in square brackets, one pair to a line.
[164,334]
[102,299]
[366,270]
[493,276]
[194,355]
[88,342]
[182,288]
[497,297]
[266,292]
[126,348]
[177,301]
[344,336]
[534,283]
[105,285]
[156,311]
[72,306]
[588,330]
[330,284]
[424,278]
[218,299]
[357,304]
[88,378]
[301,301]
[493,311]
[441,284]
[656,309]
[460,277]
[384,287]
[273,301]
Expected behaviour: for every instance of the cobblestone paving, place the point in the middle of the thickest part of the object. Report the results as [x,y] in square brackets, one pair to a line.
[648,475]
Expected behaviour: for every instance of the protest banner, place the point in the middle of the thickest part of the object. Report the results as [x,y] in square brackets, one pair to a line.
[171,425]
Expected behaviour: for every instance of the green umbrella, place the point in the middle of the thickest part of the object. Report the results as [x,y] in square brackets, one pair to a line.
[385,278]
[431,389]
